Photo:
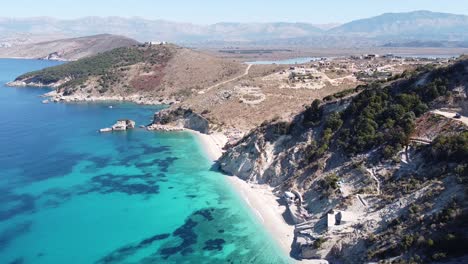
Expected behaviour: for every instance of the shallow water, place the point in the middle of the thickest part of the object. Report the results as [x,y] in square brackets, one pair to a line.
[71,195]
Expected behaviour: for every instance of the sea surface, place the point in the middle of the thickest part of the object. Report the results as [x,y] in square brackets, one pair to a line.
[71,195]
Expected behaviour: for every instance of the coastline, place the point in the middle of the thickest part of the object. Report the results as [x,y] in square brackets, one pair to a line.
[261,199]
[136,98]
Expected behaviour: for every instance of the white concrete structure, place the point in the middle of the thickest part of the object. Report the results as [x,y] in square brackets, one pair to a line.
[339,218]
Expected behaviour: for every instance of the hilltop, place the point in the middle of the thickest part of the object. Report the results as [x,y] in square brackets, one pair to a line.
[67,49]
[151,73]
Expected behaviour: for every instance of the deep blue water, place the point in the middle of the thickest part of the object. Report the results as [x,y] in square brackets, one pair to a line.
[71,195]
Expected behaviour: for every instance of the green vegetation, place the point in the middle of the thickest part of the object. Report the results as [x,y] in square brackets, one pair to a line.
[331,124]
[452,148]
[96,65]
[319,242]
[331,181]
[109,66]
[313,114]
[343,93]
[385,116]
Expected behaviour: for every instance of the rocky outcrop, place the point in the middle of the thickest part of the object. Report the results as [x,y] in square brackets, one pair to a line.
[184,118]
[353,201]
[273,153]
[165,128]
[120,125]
[32,82]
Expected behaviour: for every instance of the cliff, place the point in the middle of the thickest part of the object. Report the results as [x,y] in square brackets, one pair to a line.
[381,175]
[183,118]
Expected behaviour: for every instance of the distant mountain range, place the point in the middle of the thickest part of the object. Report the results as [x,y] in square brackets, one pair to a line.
[413,25]
[379,30]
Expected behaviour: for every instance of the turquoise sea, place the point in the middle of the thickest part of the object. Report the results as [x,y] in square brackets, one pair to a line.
[71,195]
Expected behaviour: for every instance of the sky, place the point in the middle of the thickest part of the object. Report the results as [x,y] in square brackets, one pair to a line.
[212,11]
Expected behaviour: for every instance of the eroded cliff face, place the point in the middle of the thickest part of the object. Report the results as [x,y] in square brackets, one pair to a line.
[183,118]
[391,200]
[275,153]
[373,193]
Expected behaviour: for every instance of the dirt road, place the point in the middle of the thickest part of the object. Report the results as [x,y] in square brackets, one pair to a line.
[463,119]
[246,72]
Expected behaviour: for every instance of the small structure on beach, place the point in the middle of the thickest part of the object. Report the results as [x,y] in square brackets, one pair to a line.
[289,197]
[339,218]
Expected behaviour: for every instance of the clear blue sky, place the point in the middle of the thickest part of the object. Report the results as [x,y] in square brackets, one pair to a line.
[211,11]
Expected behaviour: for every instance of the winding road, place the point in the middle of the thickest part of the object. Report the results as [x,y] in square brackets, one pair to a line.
[246,72]
[450,115]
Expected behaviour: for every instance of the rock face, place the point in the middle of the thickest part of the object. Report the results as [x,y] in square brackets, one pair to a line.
[120,125]
[353,201]
[32,82]
[123,125]
[184,118]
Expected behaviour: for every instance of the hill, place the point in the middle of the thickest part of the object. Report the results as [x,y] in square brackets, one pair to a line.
[67,49]
[144,72]
[381,175]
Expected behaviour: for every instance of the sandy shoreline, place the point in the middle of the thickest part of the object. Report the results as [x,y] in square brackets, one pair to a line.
[260,198]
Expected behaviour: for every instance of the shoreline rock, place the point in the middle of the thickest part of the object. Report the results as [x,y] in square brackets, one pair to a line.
[31,83]
[136,98]
[182,117]
[165,128]
[120,125]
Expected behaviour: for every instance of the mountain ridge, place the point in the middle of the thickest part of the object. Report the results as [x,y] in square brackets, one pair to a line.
[396,27]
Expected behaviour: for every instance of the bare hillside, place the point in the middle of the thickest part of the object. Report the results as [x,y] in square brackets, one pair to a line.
[67,49]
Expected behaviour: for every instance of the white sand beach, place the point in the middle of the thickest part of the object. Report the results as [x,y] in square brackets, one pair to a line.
[260,198]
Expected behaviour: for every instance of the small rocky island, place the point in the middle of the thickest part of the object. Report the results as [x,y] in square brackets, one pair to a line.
[120,125]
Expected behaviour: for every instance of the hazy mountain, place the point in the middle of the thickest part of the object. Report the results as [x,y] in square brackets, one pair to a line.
[413,25]
[147,30]
[427,44]
[390,27]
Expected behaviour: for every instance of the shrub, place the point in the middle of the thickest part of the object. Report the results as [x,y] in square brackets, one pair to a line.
[319,242]
[331,181]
